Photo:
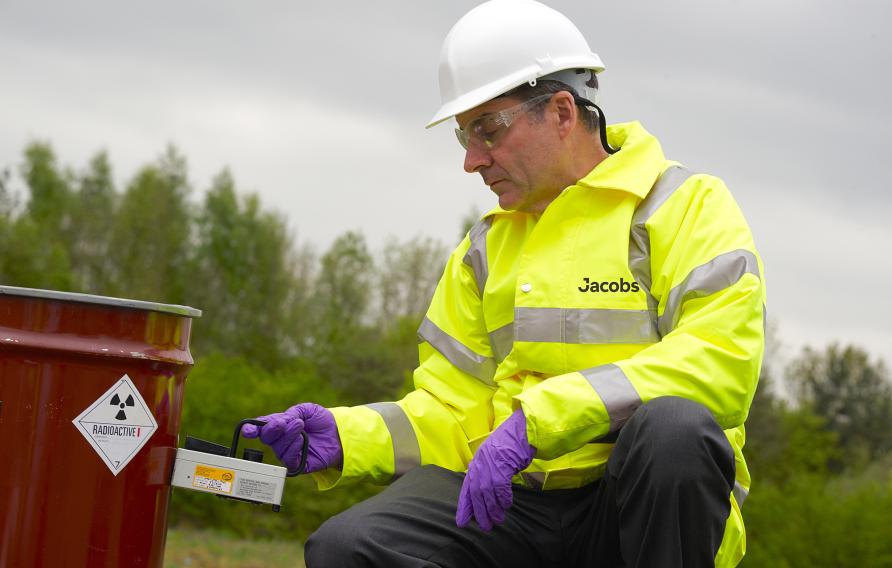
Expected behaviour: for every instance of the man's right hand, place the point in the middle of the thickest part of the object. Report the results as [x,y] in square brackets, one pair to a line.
[283,432]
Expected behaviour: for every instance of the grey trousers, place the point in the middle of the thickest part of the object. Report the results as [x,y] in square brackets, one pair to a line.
[663,501]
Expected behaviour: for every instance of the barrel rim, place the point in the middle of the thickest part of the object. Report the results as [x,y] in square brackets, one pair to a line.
[102,300]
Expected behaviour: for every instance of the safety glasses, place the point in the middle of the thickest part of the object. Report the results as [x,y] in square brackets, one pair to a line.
[486,130]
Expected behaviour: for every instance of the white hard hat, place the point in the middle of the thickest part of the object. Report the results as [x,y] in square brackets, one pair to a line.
[502,44]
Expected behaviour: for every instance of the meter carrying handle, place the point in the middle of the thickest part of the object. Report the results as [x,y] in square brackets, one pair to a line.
[301,467]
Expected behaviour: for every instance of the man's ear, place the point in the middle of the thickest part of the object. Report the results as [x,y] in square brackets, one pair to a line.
[567,113]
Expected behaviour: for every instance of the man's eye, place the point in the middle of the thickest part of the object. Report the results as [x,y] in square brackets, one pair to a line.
[489,132]
[486,129]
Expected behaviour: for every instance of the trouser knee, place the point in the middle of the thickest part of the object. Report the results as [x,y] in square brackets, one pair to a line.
[673,419]
[670,476]
[673,436]
[333,543]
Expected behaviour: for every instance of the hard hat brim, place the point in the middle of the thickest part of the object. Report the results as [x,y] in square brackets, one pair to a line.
[493,90]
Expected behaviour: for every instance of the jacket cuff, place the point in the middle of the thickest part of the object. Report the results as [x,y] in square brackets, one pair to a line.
[563,414]
[368,450]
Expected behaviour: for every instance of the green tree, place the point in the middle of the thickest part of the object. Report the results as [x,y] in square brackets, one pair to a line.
[352,355]
[93,210]
[343,287]
[407,277]
[852,395]
[31,260]
[32,250]
[151,234]
[7,199]
[49,204]
[252,291]
[7,210]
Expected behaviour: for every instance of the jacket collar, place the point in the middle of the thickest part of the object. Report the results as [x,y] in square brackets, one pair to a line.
[634,168]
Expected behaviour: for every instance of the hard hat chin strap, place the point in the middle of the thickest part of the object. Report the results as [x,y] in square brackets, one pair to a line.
[602,125]
[602,131]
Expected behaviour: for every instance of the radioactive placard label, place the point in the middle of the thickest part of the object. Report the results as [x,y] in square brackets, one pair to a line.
[117,425]
[213,478]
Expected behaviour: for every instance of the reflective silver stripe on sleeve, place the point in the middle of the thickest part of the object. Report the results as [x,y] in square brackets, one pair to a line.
[740,493]
[584,326]
[484,368]
[476,255]
[714,276]
[616,392]
[406,451]
[639,241]
[535,479]
[502,341]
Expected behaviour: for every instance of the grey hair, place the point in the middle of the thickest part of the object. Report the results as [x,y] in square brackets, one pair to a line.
[589,116]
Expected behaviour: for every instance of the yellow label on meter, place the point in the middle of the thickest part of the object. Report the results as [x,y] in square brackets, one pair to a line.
[213,478]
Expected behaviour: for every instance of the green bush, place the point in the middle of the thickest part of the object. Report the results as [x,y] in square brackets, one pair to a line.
[815,521]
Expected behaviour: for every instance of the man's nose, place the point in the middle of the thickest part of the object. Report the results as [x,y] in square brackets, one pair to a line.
[477,157]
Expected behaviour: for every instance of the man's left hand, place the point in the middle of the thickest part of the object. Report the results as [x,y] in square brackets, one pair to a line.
[486,490]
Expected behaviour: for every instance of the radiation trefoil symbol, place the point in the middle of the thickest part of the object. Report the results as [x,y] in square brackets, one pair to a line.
[116,401]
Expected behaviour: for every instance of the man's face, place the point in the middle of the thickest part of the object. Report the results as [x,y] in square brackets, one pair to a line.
[518,167]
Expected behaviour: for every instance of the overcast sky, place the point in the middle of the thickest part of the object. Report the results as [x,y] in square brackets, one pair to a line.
[320,107]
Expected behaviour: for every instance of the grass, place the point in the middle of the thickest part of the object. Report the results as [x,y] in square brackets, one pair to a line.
[191,548]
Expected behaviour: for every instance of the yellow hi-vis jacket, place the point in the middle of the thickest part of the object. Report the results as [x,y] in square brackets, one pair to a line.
[639,281]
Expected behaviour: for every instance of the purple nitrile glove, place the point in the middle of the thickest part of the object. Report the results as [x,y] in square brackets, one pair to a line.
[486,491]
[283,433]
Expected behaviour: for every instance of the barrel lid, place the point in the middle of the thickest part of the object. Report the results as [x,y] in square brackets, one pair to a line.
[104,300]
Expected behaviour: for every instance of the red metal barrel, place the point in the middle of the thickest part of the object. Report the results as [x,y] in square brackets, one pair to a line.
[91,390]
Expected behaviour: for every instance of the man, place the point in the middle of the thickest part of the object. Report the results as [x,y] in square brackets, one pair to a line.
[590,353]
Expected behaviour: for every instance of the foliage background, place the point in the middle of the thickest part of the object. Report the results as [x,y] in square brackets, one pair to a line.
[283,323]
